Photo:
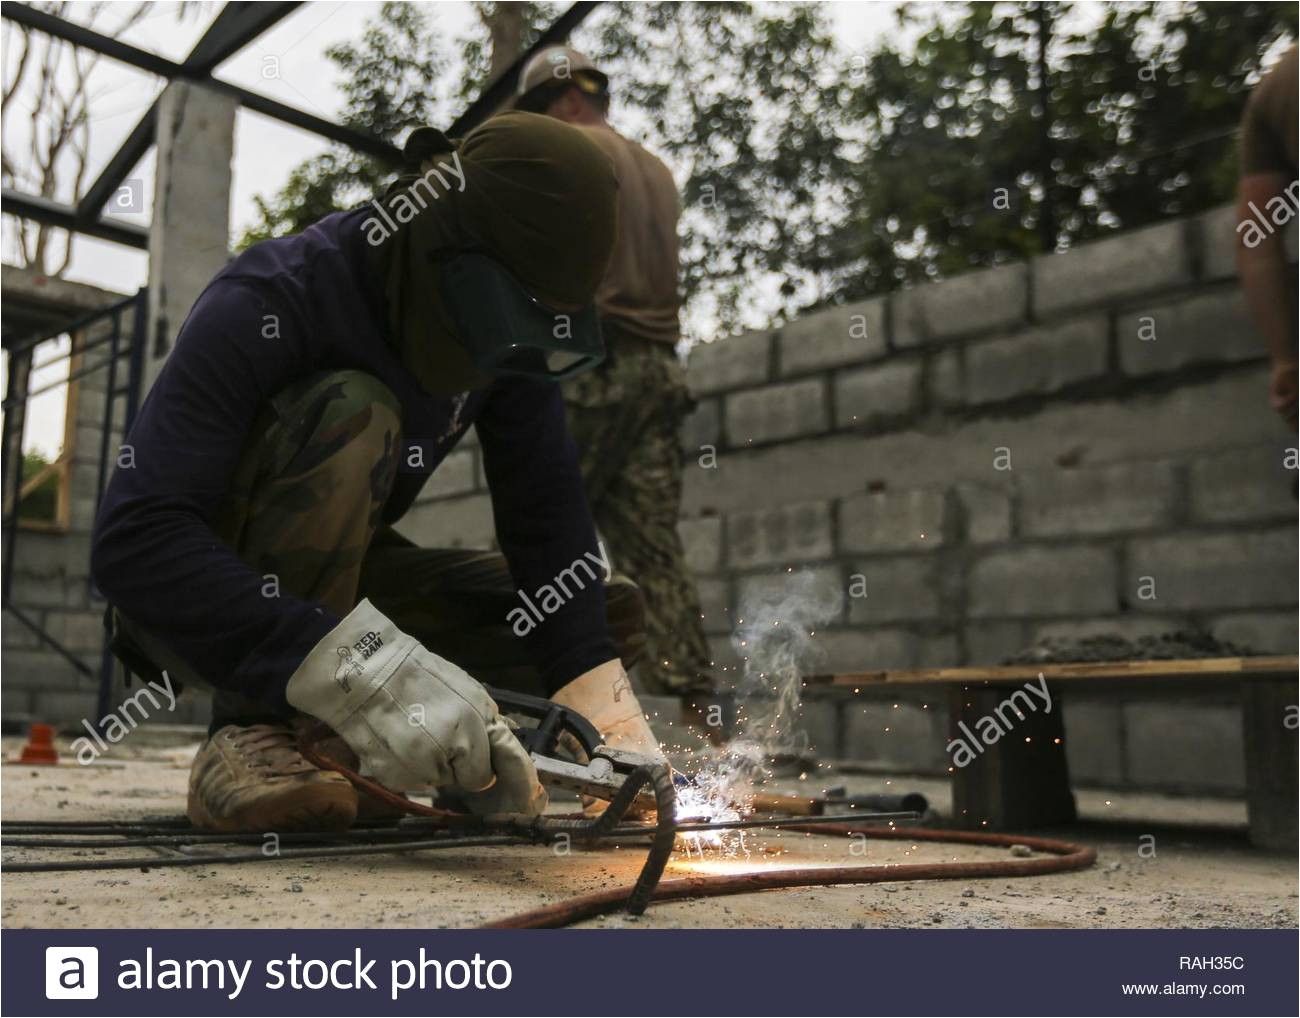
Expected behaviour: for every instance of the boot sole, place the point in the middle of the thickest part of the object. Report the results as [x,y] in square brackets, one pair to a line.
[330,807]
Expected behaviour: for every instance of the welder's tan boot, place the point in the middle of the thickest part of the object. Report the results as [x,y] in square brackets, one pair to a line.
[254,779]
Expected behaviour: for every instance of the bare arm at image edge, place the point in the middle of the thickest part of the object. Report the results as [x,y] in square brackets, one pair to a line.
[1268,166]
[1268,283]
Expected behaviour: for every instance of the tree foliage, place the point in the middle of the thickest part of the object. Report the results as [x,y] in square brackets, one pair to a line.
[812,175]
[1131,122]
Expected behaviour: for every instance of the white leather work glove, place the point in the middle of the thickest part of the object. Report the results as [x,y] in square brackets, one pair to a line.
[604,697]
[414,719]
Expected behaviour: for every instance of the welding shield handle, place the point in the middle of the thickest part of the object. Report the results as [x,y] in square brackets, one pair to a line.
[413,718]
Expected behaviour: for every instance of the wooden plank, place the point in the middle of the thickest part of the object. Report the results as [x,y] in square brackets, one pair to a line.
[1263,667]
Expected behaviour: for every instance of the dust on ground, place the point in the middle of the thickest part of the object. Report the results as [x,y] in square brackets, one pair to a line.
[1162,862]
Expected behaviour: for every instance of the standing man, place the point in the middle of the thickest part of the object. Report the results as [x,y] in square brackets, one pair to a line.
[1268,176]
[246,541]
[626,415]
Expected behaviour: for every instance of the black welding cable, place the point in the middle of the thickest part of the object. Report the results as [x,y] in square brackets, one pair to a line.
[207,837]
[151,862]
[661,848]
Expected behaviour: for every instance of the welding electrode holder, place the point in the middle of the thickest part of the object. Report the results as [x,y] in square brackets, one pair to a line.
[608,773]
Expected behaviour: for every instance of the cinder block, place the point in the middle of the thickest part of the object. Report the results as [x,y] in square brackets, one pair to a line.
[991,643]
[44,669]
[1208,328]
[1094,741]
[461,522]
[857,650]
[702,542]
[1092,275]
[81,515]
[947,385]
[788,410]
[849,334]
[65,708]
[1029,582]
[819,721]
[897,734]
[1259,632]
[1218,231]
[787,535]
[16,636]
[868,396]
[715,604]
[453,476]
[965,305]
[77,631]
[1036,362]
[731,363]
[894,589]
[892,521]
[726,661]
[1243,484]
[703,426]
[1217,571]
[42,591]
[1184,746]
[767,587]
[1098,500]
[987,512]
[941,651]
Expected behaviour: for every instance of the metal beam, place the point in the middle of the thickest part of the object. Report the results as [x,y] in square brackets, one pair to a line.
[503,86]
[79,35]
[234,27]
[124,160]
[42,210]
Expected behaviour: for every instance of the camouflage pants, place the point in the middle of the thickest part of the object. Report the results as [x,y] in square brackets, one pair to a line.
[305,507]
[626,418]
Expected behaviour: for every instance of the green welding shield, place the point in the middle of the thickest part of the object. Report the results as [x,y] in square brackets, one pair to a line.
[506,330]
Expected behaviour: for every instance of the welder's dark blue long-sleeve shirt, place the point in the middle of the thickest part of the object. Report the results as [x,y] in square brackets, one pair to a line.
[283,310]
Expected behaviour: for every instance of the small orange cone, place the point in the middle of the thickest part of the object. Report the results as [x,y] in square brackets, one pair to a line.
[40,746]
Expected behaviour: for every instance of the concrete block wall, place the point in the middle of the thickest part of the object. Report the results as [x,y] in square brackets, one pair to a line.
[1077,445]
[1080,444]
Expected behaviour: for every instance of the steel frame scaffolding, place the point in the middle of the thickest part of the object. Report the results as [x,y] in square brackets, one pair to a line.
[235,26]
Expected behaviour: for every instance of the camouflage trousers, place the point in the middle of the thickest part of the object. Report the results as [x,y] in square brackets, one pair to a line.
[626,418]
[305,507]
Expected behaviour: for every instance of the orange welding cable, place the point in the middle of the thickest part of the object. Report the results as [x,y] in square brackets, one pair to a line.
[1061,857]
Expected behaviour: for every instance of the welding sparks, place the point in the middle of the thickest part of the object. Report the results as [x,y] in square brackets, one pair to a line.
[769,701]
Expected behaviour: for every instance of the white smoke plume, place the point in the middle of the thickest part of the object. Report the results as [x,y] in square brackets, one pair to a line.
[776,638]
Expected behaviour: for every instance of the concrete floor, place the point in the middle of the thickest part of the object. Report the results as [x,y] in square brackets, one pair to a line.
[1200,876]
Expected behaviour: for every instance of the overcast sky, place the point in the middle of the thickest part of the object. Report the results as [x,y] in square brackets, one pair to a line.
[287,64]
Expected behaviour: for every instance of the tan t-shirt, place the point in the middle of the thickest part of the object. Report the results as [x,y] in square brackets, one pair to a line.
[1268,127]
[640,288]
